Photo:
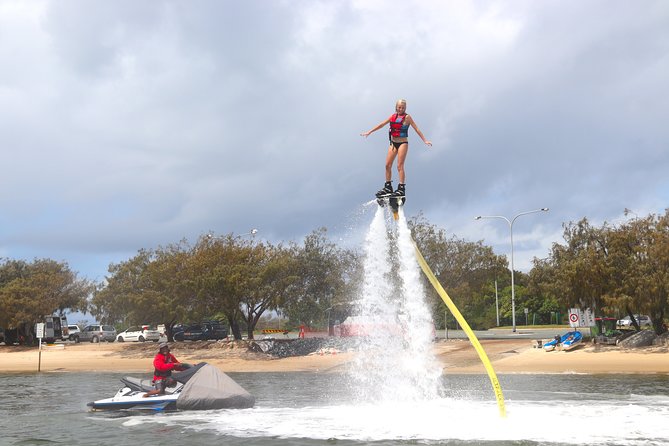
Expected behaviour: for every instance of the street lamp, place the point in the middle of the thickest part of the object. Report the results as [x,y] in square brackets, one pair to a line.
[510,223]
[252,233]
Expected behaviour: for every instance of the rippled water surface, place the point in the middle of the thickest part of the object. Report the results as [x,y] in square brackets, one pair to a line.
[323,409]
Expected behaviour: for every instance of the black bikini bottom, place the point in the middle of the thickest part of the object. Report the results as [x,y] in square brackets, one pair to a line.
[397,145]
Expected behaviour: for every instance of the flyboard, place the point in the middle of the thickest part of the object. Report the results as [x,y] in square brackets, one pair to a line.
[393,201]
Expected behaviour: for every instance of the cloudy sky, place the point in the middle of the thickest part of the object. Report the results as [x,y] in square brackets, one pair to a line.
[129,125]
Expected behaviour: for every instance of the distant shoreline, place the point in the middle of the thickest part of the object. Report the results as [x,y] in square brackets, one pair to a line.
[455,356]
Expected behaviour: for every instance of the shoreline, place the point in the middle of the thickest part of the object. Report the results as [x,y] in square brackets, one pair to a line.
[454,356]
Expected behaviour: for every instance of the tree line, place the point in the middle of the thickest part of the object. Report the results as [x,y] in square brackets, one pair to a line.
[614,269]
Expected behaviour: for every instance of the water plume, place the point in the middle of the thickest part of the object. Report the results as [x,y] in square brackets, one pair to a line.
[395,361]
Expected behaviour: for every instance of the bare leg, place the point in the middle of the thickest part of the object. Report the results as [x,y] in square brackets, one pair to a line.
[402,151]
[159,391]
[390,158]
[151,393]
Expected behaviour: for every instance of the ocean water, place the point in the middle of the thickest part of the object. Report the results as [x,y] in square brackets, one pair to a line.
[324,409]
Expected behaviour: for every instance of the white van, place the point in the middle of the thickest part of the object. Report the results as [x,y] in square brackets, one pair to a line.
[55,328]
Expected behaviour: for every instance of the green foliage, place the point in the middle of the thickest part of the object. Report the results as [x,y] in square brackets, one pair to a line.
[465,270]
[226,275]
[615,270]
[327,279]
[29,291]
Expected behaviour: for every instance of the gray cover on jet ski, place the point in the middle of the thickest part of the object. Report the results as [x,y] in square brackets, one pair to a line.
[209,388]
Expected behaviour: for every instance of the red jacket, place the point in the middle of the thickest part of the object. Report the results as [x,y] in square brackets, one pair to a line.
[163,365]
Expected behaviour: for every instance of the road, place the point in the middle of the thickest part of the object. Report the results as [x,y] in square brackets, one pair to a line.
[506,333]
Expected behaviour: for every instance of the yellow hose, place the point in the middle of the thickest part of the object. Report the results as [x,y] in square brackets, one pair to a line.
[465,326]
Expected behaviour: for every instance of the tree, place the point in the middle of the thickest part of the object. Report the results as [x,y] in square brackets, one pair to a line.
[640,259]
[622,268]
[541,285]
[29,291]
[327,276]
[243,279]
[271,272]
[155,286]
[582,267]
[465,270]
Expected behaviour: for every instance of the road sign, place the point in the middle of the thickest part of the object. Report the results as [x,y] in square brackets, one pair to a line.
[39,330]
[574,317]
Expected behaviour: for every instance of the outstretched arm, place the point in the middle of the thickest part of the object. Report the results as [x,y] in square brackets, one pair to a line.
[366,134]
[419,133]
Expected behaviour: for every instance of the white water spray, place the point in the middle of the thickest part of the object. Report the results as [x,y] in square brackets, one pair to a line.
[395,361]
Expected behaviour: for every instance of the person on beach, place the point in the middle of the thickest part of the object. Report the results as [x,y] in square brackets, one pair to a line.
[399,147]
[164,363]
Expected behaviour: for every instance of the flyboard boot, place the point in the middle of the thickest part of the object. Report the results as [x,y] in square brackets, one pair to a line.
[397,199]
[383,195]
[387,190]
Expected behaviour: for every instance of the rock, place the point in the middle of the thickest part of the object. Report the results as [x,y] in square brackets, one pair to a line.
[283,348]
[644,338]
[662,340]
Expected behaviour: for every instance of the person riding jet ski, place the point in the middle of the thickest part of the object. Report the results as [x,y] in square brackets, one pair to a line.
[164,363]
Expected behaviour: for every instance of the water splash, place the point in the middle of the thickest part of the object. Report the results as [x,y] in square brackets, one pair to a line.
[446,421]
[395,363]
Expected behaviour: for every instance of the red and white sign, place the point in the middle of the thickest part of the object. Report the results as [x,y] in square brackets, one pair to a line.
[581,318]
[574,317]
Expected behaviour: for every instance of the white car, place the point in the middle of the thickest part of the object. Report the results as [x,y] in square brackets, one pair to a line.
[626,322]
[72,330]
[139,333]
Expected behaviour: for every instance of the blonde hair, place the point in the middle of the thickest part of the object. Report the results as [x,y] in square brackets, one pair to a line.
[401,101]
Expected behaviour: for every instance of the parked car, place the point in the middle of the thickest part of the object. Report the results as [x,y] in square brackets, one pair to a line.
[626,322]
[96,333]
[215,330]
[192,332]
[204,331]
[72,330]
[139,333]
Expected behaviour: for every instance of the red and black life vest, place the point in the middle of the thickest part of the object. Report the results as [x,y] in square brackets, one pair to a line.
[398,129]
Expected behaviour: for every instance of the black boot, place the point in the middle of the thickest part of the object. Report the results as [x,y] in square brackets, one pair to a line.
[400,192]
[387,190]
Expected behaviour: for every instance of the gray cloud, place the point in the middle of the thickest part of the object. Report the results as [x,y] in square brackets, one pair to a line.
[132,124]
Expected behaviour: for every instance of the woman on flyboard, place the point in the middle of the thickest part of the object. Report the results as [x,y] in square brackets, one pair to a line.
[398,148]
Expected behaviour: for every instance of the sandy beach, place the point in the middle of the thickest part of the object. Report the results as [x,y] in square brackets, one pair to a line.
[455,356]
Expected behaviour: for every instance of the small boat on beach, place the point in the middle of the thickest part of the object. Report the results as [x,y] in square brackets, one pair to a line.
[565,342]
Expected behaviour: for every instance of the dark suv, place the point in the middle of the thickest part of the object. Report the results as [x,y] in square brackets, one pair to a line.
[192,332]
[200,332]
[215,330]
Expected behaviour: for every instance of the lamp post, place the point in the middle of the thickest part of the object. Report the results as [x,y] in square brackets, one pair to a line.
[252,233]
[510,223]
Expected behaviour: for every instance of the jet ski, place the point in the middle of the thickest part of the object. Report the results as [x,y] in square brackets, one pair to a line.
[201,387]
[131,397]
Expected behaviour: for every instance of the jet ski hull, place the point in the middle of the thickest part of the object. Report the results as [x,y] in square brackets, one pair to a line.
[132,399]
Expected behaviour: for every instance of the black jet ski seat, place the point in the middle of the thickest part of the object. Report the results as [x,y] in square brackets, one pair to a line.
[138,384]
[143,385]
